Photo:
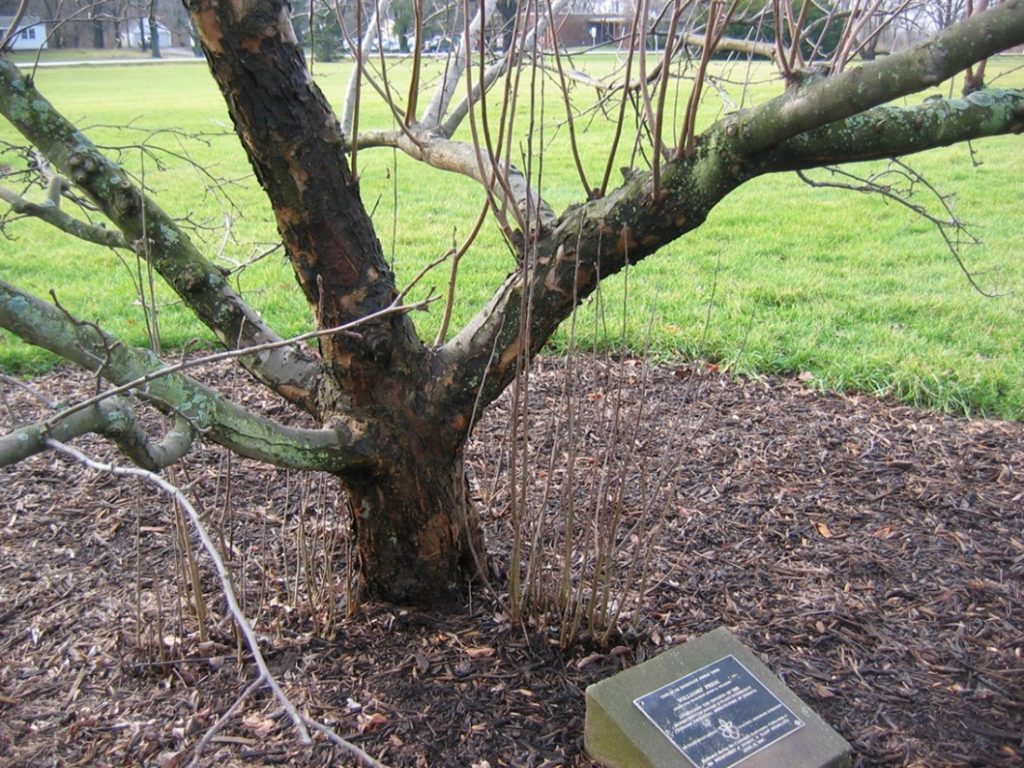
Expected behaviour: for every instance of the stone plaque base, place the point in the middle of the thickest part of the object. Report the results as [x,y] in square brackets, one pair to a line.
[709,703]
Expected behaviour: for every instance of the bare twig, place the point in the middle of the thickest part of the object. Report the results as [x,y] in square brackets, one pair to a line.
[222,572]
[300,721]
[879,184]
[392,309]
[54,216]
[31,391]
[457,254]
[12,28]
[445,91]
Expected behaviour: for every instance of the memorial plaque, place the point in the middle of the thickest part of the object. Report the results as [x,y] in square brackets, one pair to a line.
[719,714]
[709,703]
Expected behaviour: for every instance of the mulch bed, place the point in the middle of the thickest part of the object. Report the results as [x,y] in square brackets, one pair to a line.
[871,554]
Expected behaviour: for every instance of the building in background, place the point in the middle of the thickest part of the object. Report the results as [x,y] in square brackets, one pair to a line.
[135,33]
[30,34]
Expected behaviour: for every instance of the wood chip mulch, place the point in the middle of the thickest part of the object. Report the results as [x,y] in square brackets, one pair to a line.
[871,554]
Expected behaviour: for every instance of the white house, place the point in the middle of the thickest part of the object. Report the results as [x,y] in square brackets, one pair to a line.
[136,31]
[30,34]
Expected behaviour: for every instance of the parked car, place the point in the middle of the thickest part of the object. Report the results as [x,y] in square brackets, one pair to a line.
[388,46]
[441,44]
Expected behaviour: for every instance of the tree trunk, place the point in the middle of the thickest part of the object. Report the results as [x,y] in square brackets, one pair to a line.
[412,519]
[154,31]
[417,532]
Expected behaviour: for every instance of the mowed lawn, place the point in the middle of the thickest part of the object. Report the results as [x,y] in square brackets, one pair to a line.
[854,292]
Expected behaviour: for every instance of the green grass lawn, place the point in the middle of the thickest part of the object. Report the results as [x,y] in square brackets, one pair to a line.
[857,292]
[74,54]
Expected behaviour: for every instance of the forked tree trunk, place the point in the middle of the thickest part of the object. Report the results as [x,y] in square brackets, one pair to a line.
[412,519]
[417,532]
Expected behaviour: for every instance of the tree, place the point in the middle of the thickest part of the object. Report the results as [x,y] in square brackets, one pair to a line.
[328,43]
[154,30]
[396,410]
[405,12]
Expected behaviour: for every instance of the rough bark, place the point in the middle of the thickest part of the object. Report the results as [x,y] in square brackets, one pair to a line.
[416,528]
[297,150]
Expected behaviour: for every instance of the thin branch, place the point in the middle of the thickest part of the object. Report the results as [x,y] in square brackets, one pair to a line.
[716,28]
[50,213]
[662,91]
[222,572]
[266,677]
[445,90]
[796,33]
[513,58]
[884,24]
[209,412]
[223,720]
[361,44]
[417,63]
[457,255]
[12,28]
[877,185]
[497,185]
[564,89]
[145,380]
[348,746]
[621,120]
[30,391]
[289,371]
[644,82]
[501,179]
[350,118]
[520,47]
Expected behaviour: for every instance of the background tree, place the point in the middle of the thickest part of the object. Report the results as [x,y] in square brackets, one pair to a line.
[820,29]
[154,30]
[325,36]
[404,13]
[395,410]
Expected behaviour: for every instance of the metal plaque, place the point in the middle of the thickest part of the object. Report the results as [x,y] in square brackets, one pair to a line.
[718,715]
